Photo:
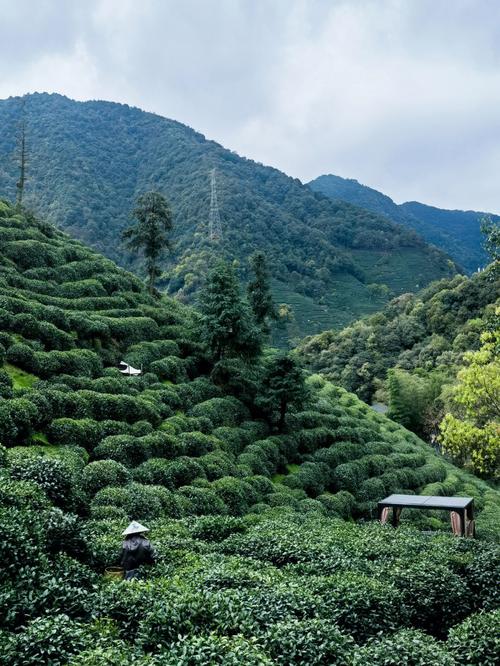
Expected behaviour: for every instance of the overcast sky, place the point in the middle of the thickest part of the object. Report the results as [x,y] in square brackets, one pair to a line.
[403,95]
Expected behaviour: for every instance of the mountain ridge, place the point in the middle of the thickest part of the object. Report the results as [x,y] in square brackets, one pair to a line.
[87,162]
[454,231]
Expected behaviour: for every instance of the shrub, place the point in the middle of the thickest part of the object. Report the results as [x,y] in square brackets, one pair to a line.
[483,574]
[476,640]
[51,474]
[406,647]
[217,464]
[435,596]
[71,432]
[5,381]
[22,495]
[338,504]
[236,494]
[23,356]
[171,368]
[124,449]
[313,477]
[102,473]
[140,502]
[361,605]
[222,411]
[25,529]
[349,476]
[201,501]
[170,473]
[313,642]
[196,443]
[213,649]
[51,640]
[217,528]
[17,418]
[371,490]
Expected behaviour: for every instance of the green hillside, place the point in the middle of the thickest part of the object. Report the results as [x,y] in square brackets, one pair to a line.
[456,232]
[87,163]
[422,337]
[262,558]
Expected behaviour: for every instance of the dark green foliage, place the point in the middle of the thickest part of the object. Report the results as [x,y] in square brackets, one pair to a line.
[147,501]
[437,596]
[102,473]
[53,476]
[226,321]
[283,388]
[476,640]
[456,232]
[51,640]
[151,233]
[313,642]
[214,649]
[259,292]
[408,647]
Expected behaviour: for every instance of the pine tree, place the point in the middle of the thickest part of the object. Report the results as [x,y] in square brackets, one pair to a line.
[227,324]
[151,232]
[283,387]
[259,292]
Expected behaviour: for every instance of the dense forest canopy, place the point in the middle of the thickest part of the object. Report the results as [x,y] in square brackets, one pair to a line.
[261,558]
[456,232]
[88,162]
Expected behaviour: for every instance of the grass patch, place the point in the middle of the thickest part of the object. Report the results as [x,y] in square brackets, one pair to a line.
[291,468]
[20,378]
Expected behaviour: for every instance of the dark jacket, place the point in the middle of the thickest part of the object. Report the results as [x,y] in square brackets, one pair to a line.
[136,550]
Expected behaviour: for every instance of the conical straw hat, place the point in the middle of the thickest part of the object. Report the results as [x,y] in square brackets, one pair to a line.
[135,528]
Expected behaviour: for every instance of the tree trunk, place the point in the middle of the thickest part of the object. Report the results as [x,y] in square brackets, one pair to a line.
[283,406]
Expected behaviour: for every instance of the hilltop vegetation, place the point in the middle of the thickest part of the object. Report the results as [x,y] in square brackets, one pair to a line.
[88,162]
[260,561]
[456,232]
[408,356]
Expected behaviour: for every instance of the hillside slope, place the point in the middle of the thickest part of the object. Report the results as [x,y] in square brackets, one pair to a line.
[456,232]
[423,337]
[258,561]
[87,162]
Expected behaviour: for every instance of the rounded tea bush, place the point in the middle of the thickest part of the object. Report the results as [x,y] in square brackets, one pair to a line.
[102,473]
[407,647]
[51,474]
[214,650]
[51,640]
[313,642]
[476,640]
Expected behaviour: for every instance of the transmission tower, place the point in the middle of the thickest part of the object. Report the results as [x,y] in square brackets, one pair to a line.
[214,225]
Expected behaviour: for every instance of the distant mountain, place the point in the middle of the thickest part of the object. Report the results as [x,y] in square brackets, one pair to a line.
[88,161]
[457,232]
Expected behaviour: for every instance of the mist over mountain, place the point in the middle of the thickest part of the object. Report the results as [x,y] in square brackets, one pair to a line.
[456,232]
[88,161]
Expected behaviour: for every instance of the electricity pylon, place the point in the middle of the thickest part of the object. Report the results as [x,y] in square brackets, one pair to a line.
[214,225]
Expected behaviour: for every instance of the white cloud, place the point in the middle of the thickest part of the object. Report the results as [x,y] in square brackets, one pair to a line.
[401,94]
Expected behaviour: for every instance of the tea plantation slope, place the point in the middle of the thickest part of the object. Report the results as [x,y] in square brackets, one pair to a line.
[259,561]
[89,161]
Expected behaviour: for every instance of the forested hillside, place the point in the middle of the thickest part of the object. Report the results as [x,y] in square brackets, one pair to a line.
[259,560]
[413,348]
[456,232]
[87,163]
